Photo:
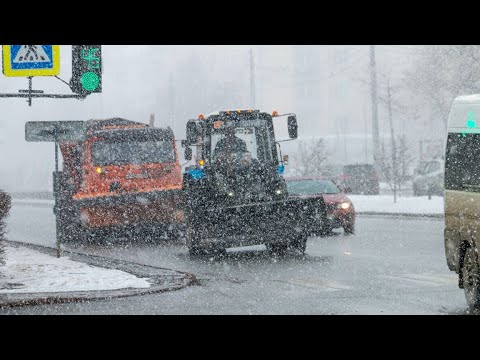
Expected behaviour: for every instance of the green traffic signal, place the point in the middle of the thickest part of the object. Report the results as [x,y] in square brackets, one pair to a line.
[86,69]
[90,81]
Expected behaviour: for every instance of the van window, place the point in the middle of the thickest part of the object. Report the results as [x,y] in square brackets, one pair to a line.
[462,163]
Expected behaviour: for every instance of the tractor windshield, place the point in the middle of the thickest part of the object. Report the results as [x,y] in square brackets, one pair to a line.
[242,142]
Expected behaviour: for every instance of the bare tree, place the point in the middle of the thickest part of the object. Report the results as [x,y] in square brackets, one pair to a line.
[312,157]
[441,73]
[5,203]
[404,159]
[394,161]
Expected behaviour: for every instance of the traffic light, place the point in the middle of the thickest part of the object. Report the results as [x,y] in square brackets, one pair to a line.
[86,69]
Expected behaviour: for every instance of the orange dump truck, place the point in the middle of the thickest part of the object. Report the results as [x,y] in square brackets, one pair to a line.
[123,176]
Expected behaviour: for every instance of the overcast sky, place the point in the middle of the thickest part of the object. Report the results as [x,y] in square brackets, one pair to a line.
[179,82]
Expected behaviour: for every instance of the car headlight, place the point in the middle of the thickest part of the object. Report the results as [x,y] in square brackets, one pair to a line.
[344,205]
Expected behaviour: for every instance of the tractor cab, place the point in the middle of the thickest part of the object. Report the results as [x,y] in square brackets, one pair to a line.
[239,149]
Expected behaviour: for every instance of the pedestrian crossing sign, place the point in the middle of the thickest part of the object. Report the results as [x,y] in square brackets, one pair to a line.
[31,60]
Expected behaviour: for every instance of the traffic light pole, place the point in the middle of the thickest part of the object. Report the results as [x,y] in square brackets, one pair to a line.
[35,94]
[30,94]
[58,232]
[30,81]
[87,68]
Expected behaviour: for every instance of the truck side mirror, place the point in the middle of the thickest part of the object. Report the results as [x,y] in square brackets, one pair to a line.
[292,127]
[285,159]
[192,132]
[188,153]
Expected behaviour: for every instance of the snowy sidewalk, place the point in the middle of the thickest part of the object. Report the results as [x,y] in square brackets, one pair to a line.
[32,275]
[383,204]
[29,271]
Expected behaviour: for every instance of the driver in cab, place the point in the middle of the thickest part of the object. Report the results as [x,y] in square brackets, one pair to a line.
[233,150]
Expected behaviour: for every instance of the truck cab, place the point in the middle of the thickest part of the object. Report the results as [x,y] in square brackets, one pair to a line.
[123,174]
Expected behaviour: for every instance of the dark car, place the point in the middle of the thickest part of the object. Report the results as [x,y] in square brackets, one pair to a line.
[360,179]
[339,209]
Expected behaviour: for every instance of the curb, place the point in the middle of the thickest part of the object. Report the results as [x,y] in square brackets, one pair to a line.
[409,215]
[162,280]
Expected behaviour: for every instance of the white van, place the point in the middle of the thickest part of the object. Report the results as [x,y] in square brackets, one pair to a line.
[462,195]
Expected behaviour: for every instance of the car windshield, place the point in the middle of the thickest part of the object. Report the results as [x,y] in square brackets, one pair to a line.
[132,152]
[312,187]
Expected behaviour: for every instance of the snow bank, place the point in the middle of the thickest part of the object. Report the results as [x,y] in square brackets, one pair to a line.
[377,203]
[407,205]
[29,271]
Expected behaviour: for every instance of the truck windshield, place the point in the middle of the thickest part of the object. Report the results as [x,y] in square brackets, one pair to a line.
[245,143]
[132,152]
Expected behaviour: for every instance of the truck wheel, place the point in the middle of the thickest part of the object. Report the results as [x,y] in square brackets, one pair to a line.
[276,249]
[173,234]
[300,243]
[325,230]
[193,243]
[217,251]
[67,228]
[194,250]
[64,232]
[471,279]
[73,233]
[349,229]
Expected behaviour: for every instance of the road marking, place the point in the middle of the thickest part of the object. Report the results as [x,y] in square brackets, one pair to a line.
[318,283]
